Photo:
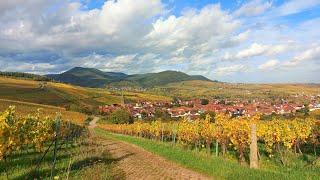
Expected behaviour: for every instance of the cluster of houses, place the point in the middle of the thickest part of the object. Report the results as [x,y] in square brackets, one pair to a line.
[194,108]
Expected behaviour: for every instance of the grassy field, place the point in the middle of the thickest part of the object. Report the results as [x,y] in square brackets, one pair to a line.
[192,89]
[64,95]
[218,167]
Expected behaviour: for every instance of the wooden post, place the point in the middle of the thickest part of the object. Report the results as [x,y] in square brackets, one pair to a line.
[57,130]
[162,131]
[217,148]
[174,133]
[254,164]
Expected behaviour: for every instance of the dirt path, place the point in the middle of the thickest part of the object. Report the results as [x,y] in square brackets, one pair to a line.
[93,123]
[136,163]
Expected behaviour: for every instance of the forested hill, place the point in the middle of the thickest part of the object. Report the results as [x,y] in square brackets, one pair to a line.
[87,77]
[90,77]
[22,75]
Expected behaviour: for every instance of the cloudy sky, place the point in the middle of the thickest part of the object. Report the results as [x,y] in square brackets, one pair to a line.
[233,41]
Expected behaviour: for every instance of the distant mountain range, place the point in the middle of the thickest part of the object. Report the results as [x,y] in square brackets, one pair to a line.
[90,77]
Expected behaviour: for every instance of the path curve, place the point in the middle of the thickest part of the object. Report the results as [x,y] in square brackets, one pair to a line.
[93,123]
[136,163]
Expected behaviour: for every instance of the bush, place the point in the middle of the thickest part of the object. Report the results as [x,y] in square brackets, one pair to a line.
[204,101]
[120,116]
[161,114]
[210,113]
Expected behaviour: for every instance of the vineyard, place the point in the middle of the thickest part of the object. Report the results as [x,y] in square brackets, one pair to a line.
[25,108]
[224,135]
[73,98]
[35,133]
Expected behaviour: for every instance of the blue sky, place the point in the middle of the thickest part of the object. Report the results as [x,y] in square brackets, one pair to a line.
[235,40]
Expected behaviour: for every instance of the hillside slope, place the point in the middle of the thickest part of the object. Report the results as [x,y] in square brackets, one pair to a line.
[67,96]
[199,89]
[162,78]
[87,77]
[90,77]
[25,108]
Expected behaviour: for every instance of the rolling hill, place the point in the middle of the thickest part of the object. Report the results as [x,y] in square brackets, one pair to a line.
[67,96]
[161,78]
[90,77]
[204,89]
[25,108]
[87,77]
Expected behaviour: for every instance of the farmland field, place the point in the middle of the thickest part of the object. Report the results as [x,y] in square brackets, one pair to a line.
[218,167]
[66,96]
[193,89]
[24,109]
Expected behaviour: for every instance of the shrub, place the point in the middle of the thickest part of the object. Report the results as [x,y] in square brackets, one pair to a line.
[204,101]
[120,116]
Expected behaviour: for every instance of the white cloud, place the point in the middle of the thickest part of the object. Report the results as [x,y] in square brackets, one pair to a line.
[38,68]
[308,55]
[253,8]
[193,29]
[296,6]
[228,70]
[127,16]
[254,50]
[257,49]
[271,64]
[143,35]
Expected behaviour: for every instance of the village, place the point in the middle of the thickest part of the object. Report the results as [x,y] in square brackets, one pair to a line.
[192,109]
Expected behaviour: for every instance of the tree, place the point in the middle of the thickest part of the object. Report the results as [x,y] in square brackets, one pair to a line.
[204,101]
[176,101]
[144,114]
[210,113]
[160,114]
[120,116]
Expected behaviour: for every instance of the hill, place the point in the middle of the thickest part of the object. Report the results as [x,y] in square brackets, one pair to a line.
[87,77]
[90,77]
[162,78]
[71,97]
[22,75]
[200,89]
[25,108]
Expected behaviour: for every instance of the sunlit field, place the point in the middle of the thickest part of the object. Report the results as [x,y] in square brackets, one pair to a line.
[193,89]
[24,109]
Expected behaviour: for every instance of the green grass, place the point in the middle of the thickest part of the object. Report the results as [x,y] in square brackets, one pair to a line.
[88,159]
[216,167]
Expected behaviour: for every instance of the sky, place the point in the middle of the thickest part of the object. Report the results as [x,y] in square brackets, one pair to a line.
[250,41]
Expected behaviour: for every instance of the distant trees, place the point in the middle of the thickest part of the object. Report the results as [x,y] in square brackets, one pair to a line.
[305,110]
[25,76]
[176,101]
[160,114]
[210,113]
[120,116]
[204,101]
